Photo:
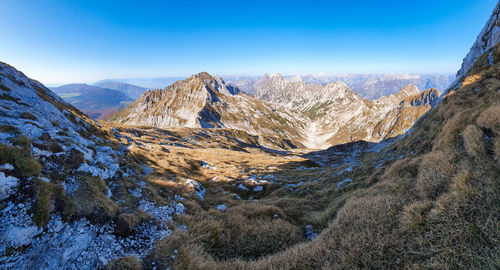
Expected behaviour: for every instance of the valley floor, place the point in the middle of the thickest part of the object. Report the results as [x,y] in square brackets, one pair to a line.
[242,200]
[192,183]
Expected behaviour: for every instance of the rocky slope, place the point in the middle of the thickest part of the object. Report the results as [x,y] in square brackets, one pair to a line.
[209,102]
[63,181]
[487,39]
[350,118]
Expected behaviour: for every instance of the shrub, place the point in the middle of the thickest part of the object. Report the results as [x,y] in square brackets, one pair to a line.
[400,176]
[473,141]
[9,129]
[91,201]
[462,184]
[414,215]
[54,147]
[490,119]
[75,159]
[28,166]
[242,239]
[126,223]
[22,141]
[22,160]
[43,205]
[365,232]
[50,197]
[125,263]
[449,135]
[434,174]
[28,115]
[225,236]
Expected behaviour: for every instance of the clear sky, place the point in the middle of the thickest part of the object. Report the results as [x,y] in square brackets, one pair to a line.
[86,40]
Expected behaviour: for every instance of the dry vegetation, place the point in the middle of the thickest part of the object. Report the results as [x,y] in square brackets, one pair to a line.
[431,202]
[427,201]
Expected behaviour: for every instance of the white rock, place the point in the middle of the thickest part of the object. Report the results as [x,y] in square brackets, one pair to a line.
[18,236]
[343,182]
[38,152]
[258,189]
[242,187]
[7,185]
[198,188]
[221,207]
[7,167]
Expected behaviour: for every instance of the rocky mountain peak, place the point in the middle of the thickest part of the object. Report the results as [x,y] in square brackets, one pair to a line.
[203,76]
[214,84]
[408,90]
[487,39]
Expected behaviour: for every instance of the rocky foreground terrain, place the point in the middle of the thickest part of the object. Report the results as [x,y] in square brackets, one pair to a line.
[133,194]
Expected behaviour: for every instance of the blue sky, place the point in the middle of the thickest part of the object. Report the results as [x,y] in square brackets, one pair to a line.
[84,41]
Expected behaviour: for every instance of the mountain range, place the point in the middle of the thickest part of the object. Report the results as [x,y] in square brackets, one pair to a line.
[97,102]
[132,91]
[178,181]
[309,115]
[368,86]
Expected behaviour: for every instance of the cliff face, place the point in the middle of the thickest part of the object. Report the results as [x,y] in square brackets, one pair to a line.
[487,39]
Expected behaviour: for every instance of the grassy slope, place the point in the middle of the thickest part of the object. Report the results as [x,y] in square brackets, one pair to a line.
[436,207]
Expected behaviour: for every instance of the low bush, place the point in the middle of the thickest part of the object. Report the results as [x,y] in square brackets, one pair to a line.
[28,115]
[9,129]
[126,223]
[50,197]
[473,141]
[91,201]
[414,215]
[22,160]
[490,119]
[434,174]
[125,263]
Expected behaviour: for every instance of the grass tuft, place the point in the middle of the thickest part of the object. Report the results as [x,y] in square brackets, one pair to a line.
[434,175]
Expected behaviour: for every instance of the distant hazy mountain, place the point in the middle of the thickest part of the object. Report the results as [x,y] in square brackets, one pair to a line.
[130,90]
[369,86]
[148,83]
[97,102]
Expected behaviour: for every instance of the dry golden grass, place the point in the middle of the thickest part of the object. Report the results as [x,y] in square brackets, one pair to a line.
[125,263]
[434,175]
[427,201]
[414,216]
[25,165]
[91,201]
[435,209]
[473,141]
[490,119]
